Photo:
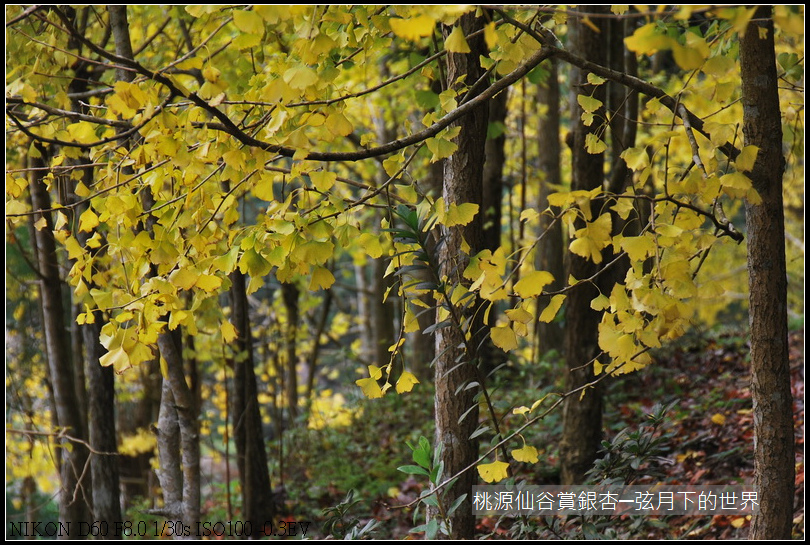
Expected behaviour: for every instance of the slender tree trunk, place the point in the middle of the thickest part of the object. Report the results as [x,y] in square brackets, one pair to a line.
[462,184]
[582,416]
[423,346]
[550,250]
[100,391]
[169,474]
[495,154]
[75,493]
[773,403]
[258,504]
[492,203]
[290,295]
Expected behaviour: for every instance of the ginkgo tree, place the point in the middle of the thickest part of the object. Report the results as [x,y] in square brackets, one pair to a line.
[213,107]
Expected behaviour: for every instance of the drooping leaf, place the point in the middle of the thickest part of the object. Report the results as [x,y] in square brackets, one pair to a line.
[406,382]
[526,454]
[504,338]
[370,388]
[494,472]
[551,310]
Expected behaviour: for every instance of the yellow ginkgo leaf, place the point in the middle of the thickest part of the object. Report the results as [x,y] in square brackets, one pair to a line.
[208,282]
[551,310]
[406,382]
[456,42]
[184,277]
[370,388]
[519,315]
[527,454]
[322,278]
[638,248]
[228,331]
[504,338]
[323,180]
[494,472]
[413,28]
[718,419]
[533,283]
[118,358]
[88,221]
[339,125]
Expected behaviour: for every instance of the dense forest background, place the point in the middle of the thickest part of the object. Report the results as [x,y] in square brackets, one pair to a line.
[323,268]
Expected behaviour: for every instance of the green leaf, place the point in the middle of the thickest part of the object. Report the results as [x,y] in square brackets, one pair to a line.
[441,148]
[248,22]
[593,79]
[413,470]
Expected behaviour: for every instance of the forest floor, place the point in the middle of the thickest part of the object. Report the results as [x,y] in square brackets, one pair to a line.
[710,441]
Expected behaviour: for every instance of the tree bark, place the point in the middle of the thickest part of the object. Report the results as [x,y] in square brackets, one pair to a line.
[290,295]
[462,184]
[582,416]
[74,493]
[258,504]
[495,157]
[100,391]
[773,403]
[550,255]
[177,397]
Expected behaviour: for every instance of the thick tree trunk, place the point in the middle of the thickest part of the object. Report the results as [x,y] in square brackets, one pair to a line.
[182,403]
[550,250]
[258,504]
[100,391]
[773,403]
[74,494]
[177,397]
[582,416]
[103,438]
[462,184]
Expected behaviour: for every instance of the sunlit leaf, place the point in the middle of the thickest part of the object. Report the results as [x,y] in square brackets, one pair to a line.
[414,27]
[504,338]
[494,472]
[532,284]
[551,310]
[406,382]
